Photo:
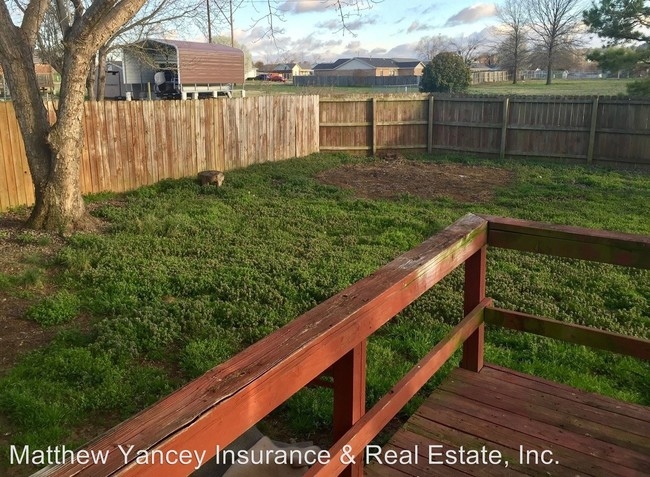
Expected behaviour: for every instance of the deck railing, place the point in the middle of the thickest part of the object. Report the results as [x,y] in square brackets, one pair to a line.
[219,406]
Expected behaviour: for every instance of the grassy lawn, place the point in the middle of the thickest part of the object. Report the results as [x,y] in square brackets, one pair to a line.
[187,276]
[602,87]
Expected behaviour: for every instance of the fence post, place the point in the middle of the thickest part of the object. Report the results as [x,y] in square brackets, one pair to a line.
[474,292]
[374,126]
[430,127]
[504,127]
[349,374]
[592,130]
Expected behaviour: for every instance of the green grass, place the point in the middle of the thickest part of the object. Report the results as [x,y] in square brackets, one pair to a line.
[559,87]
[189,275]
[593,87]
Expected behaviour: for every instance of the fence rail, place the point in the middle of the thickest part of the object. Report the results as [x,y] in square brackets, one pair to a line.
[130,144]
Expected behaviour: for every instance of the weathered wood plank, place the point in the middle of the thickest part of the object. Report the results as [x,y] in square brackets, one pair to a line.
[584,397]
[473,294]
[572,242]
[533,409]
[456,429]
[409,441]
[349,374]
[569,332]
[556,399]
[610,455]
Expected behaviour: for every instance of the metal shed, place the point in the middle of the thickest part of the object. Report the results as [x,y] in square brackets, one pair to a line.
[199,67]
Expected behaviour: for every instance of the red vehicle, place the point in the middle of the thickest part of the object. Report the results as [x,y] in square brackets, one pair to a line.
[276,77]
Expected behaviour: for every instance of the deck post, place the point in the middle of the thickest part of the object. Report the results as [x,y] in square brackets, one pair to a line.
[474,292]
[349,374]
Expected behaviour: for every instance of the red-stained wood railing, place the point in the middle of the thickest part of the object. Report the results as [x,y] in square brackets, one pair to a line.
[216,408]
[219,406]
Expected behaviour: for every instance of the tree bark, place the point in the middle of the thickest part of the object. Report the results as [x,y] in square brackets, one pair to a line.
[91,80]
[59,204]
[549,67]
[101,74]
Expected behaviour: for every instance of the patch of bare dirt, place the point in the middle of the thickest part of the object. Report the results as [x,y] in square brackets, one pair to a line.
[22,251]
[393,175]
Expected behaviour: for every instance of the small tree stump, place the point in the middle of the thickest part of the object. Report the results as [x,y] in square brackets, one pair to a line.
[211,177]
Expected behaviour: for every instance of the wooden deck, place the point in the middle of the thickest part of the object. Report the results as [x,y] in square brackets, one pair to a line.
[502,410]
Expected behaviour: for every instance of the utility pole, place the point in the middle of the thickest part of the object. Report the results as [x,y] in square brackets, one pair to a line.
[207,4]
[232,30]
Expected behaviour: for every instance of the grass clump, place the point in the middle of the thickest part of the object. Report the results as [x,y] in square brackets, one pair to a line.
[56,309]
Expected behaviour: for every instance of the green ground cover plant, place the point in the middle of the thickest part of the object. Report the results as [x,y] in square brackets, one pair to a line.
[186,276]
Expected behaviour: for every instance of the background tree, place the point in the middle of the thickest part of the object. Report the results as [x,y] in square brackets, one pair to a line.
[467,47]
[513,49]
[620,20]
[618,61]
[447,72]
[623,22]
[429,46]
[555,26]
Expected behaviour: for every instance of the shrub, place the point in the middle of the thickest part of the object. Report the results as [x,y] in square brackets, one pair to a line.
[447,73]
[639,88]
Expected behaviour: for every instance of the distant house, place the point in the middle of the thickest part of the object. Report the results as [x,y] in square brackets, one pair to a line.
[49,80]
[288,70]
[376,67]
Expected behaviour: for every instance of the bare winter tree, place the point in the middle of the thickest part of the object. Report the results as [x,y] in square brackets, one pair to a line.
[514,20]
[54,151]
[429,46]
[467,47]
[555,25]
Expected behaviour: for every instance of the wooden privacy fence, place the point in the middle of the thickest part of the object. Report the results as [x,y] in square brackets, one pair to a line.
[130,144]
[135,143]
[605,131]
[212,411]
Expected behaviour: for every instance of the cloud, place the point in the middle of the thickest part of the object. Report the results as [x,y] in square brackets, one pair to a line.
[305,6]
[417,26]
[405,50]
[335,24]
[472,14]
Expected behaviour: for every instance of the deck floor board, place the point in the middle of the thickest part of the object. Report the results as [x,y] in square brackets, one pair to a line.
[503,410]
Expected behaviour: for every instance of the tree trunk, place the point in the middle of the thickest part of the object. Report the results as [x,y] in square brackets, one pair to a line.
[101,74]
[514,75]
[59,205]
[549,67]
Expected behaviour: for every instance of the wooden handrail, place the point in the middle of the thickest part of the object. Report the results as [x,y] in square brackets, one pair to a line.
[571,242]
[569,332]
[371,424]
[219,406]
